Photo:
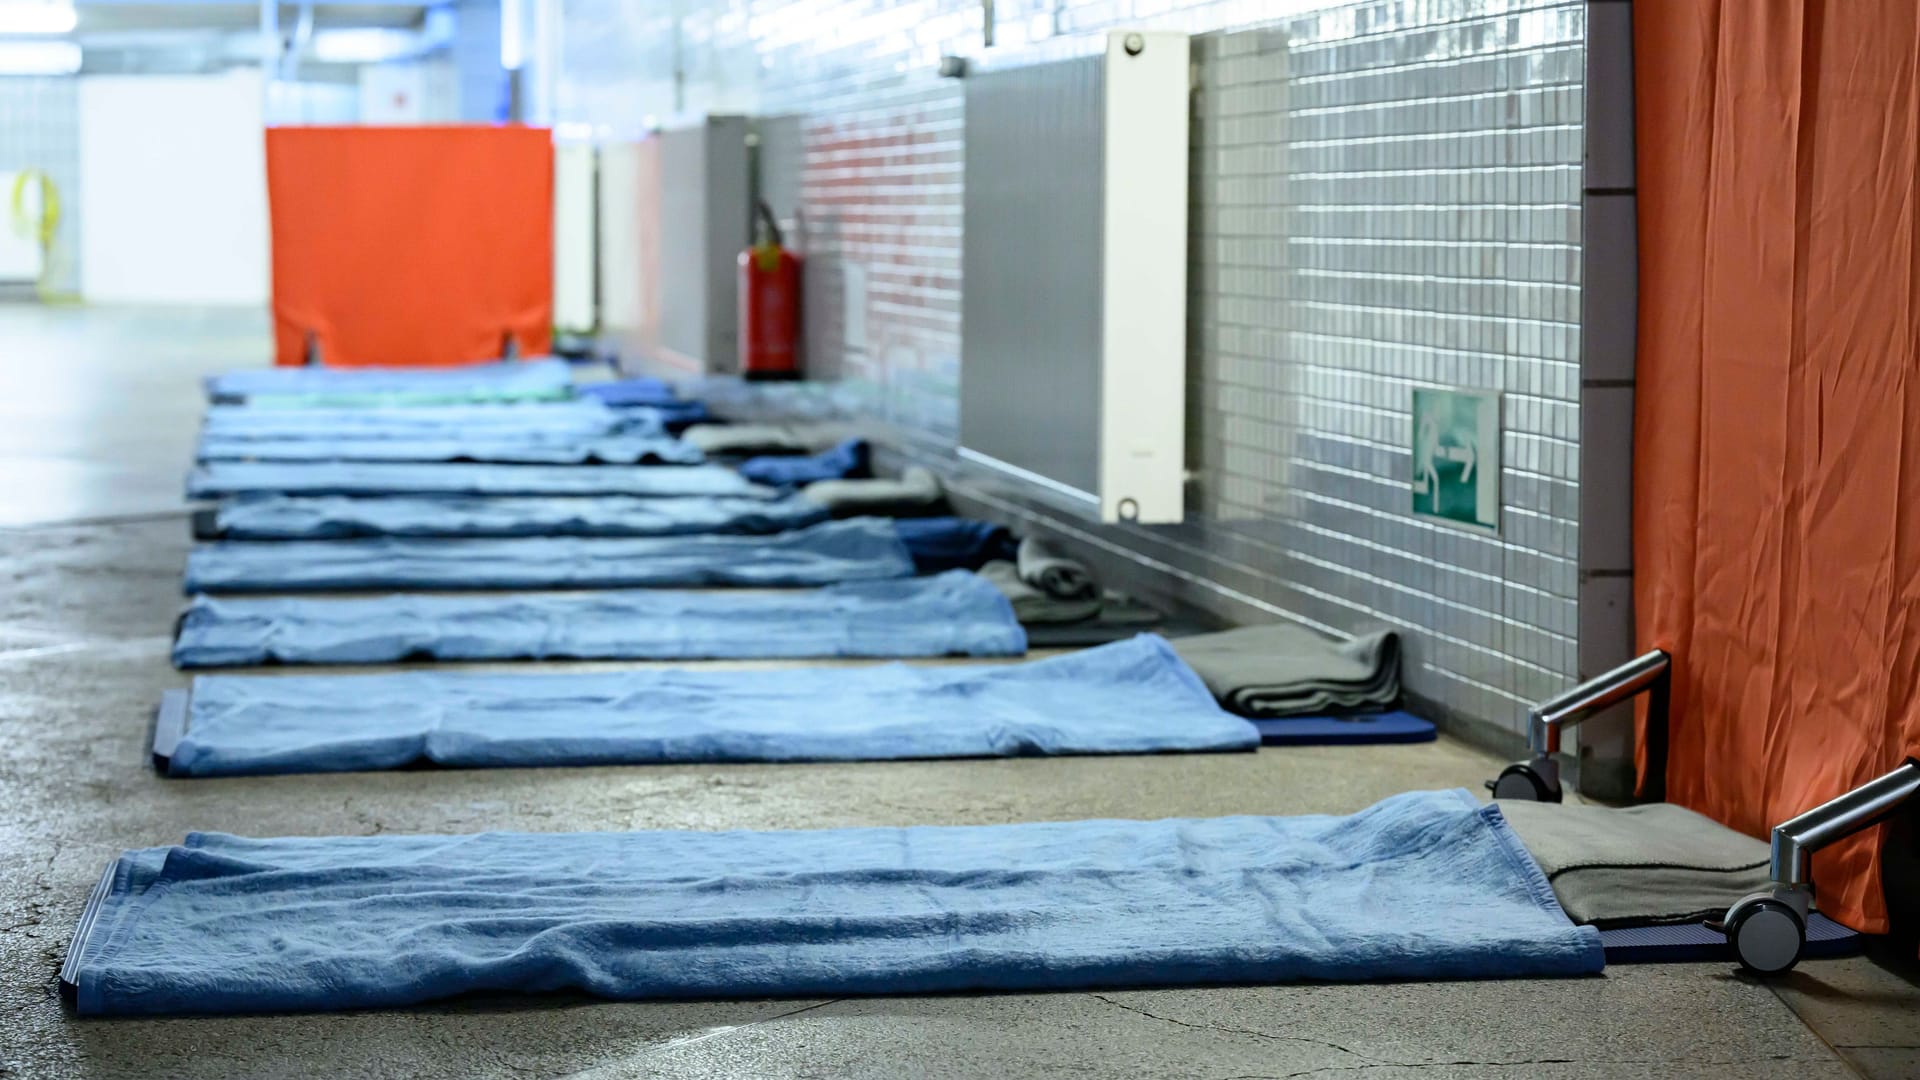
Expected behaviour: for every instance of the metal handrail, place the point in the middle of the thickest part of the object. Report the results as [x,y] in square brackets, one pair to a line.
[1863,807]
[1550,717]
[1538,777]
[1768,929]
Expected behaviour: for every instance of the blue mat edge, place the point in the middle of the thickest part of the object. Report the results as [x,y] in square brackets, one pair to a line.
[1685,943]
[1397,726]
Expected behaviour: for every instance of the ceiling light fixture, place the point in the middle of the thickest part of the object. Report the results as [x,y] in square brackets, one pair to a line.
[37,17]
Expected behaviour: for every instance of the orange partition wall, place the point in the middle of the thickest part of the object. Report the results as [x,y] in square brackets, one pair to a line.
[1777,437]
[410,245]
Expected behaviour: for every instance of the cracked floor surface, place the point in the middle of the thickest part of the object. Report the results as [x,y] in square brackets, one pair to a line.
[98,425]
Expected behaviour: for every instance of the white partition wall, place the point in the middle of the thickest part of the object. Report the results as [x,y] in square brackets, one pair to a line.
[173,193]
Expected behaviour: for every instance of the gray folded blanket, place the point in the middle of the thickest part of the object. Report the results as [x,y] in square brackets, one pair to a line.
[1286,670]
[1638,865]
[1055,574]
[915,492]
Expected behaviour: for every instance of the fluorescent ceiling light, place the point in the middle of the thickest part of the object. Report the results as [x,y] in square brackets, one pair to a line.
[363,46]
[39,58]
[513,35]
[36,17]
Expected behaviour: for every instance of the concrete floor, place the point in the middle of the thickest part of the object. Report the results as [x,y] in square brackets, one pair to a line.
[97,410]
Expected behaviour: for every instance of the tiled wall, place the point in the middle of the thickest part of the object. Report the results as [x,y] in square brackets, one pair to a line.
[1385,195]
[40,129]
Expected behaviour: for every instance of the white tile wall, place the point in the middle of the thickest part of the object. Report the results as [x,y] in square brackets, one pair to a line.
[1386,195]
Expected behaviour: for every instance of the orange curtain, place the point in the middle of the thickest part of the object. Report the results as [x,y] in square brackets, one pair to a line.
[1777,435]
[411,246]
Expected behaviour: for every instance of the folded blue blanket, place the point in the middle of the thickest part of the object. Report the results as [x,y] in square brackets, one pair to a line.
[638,390]
[316,517]
[553,420]
[1421,885]
[848,460]
[950,614]
[674,416]
[222,478]
[1130,697]
[952,543]
[484,447]
[857,549]
[503,379]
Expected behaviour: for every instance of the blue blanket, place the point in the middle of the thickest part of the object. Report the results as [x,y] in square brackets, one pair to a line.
[551,420]
[483,447]
[222,478]
[951,614]
[952,543]
[857,549]
[316,517]
[1421,885]
[1130,697]
[502,381]
[848,460]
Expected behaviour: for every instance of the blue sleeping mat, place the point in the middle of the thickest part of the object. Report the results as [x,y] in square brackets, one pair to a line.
[857,549]
[553,420]
[954,613]
[484,447]
[499,381]
[316,517]
[219,479]
[1130,697]
[1354,730]
[1421,885]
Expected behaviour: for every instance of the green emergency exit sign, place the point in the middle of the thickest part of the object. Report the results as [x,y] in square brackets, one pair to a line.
[1456,457]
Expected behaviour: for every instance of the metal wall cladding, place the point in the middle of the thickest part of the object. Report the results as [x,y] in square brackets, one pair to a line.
[1033,221]
[1385,195]
[40,129]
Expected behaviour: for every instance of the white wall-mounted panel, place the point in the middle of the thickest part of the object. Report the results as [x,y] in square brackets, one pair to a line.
[1074,254]
[622,246]
[173,193]
[414,92]
[573,237]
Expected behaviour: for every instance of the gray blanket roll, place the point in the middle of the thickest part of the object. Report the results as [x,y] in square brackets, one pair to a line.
[748,440]
[1638,865]
[1033,605]
[915,492]
[1055,574]
[1286,670]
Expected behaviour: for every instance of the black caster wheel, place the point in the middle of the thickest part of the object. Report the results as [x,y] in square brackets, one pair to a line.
[1766,935]
[1521,781]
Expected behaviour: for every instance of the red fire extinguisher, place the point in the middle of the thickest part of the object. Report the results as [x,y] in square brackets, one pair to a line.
[769,304]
